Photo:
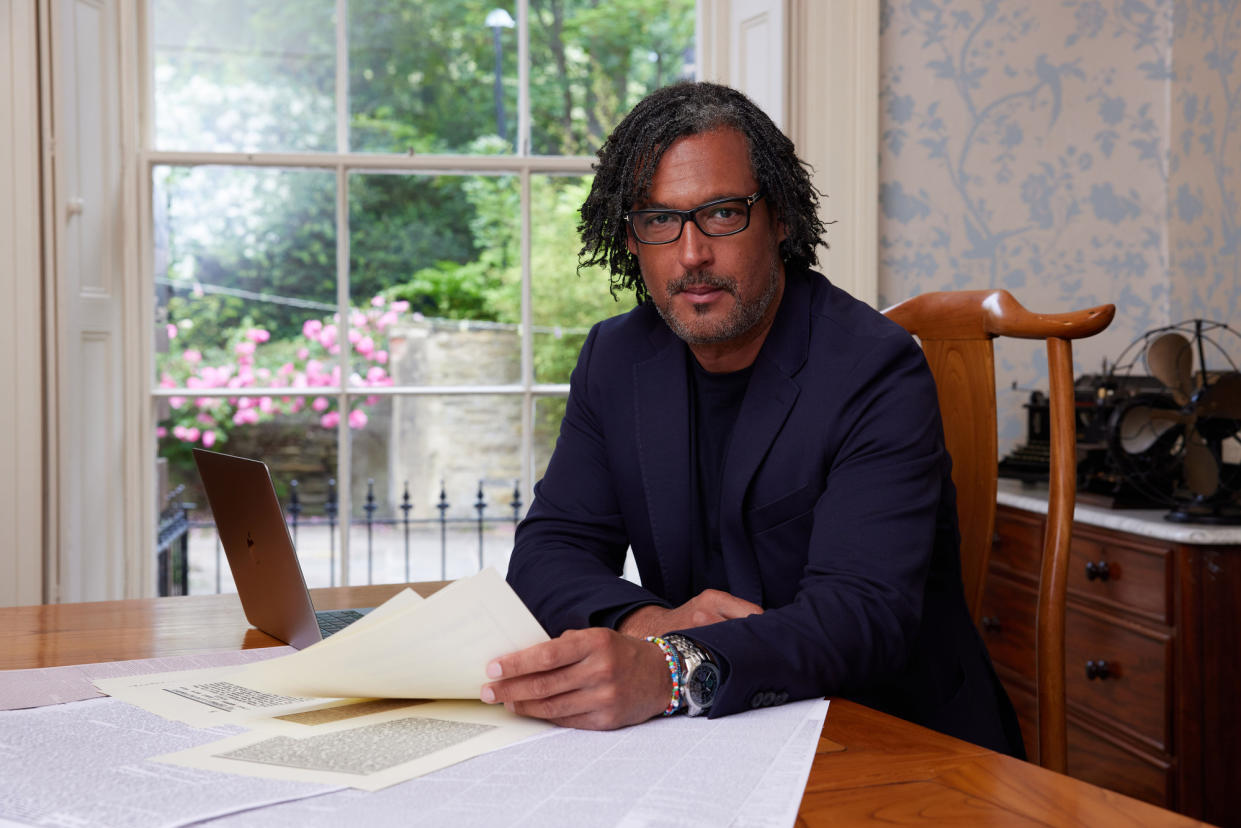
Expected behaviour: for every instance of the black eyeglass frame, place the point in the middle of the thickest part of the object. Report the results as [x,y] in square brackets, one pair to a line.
[692,215]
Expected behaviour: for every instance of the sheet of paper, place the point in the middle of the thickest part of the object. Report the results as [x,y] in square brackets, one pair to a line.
[368,752]
[57,685]
[87,764]
[210,696]
[745,771]
[435,649]
[205,698]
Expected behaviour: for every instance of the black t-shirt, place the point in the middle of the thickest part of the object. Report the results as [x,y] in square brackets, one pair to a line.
[714,402]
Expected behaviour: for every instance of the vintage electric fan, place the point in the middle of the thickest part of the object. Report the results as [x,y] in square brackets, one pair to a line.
[1181,446]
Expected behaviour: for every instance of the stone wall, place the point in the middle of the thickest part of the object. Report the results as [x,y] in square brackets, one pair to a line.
[454,439]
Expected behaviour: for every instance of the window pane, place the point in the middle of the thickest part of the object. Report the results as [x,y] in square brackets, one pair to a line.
[432,77]
[435,278]
[245,273]
[421,446]
[295,448]
[244,75]
[565,304]
[592,60]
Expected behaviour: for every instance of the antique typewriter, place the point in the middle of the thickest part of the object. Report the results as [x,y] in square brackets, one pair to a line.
[1096,397]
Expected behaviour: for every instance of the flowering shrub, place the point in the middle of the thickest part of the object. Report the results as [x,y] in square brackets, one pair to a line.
[250,360]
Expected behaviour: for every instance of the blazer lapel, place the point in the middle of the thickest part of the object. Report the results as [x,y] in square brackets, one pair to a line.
[662,436]
[768,401]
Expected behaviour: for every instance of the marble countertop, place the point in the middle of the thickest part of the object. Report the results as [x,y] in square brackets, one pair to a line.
[1148,523]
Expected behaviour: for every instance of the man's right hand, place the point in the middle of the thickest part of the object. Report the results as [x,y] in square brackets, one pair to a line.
[707,607]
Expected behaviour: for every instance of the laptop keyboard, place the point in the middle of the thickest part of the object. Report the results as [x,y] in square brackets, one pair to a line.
[331,621]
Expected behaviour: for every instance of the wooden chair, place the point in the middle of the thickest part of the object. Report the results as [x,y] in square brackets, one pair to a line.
[956,329]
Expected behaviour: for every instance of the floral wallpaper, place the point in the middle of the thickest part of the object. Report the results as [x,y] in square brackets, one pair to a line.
[1074,152]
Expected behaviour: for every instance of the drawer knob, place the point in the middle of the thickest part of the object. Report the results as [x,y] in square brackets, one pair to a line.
[1097,570]
[1097,670]
[990,623]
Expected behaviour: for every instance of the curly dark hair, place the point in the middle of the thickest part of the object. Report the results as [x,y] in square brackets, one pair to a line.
[630,155]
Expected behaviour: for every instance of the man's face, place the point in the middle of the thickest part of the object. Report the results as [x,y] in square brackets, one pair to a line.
[720,290]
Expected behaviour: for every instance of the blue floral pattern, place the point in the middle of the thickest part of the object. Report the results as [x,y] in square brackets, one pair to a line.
[1075,152]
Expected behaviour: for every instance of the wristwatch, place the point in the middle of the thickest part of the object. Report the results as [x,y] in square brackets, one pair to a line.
[700,676]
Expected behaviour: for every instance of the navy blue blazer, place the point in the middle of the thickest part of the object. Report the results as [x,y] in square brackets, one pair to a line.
[837,515]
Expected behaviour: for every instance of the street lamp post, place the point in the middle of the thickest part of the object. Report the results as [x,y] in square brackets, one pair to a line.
[497,20]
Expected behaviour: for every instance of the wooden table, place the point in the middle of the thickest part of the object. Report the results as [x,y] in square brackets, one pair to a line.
[870,767]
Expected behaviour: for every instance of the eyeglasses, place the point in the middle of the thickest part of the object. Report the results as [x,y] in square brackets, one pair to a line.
[722,217]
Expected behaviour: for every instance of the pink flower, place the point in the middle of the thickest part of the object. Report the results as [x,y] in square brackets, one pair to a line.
[192,356]
[205,418]
[179,432]
[191,435]
[358,319]
[302,353]
[330,420]
[176,402]
[377,301]
[381,357]
[257,335]
[311,328]
[334,350]
[297,405]
[172,330]
[161,432]
[357,418]
[400,306]
[285,370]
[327,337]
[375,374]
[354,335]
[373,399]
[365,346]
[387,319]
[166,381]
[265,405]
[244,349]
[208,438]
[320,404]
[245,402]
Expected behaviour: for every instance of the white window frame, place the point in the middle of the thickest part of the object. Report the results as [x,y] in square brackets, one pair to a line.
[831,53]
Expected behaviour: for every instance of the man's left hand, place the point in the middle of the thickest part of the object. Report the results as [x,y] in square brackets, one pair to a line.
[593,679]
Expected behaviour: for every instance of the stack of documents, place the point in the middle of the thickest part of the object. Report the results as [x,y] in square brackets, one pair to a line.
[323,736]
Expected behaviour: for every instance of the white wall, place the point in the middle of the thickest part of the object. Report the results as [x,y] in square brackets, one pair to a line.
[21,369]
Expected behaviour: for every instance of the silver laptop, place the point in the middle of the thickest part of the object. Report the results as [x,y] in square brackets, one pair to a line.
[260,551]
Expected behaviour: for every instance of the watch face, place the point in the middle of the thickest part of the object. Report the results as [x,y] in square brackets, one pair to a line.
[703,683]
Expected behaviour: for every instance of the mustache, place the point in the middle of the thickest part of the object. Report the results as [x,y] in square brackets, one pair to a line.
[710,280]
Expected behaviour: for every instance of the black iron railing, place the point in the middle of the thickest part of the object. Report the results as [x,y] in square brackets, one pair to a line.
[175,526]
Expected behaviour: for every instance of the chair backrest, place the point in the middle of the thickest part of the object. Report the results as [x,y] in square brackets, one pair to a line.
[956,329]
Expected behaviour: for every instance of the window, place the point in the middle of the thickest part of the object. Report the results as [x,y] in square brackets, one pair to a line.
[363,253]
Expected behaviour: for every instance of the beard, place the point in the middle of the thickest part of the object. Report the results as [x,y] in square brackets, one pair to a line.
[699,328]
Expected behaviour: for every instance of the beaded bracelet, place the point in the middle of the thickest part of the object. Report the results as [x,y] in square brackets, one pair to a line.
[674,667]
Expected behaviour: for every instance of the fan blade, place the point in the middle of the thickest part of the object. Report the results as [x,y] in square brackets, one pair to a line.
[1222,398]
[1171,361]
[1143,425]
[1201,469]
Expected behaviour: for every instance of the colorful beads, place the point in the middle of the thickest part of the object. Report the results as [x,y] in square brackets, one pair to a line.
[674,667]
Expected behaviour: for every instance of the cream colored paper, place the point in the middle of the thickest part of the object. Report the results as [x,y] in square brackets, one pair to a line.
[368,752]
[434,649]
[212,696]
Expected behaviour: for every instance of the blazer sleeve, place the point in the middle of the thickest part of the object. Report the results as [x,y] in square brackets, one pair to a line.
[569,552]
[871,538]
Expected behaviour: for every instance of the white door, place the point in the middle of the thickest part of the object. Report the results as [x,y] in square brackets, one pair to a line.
[88,370]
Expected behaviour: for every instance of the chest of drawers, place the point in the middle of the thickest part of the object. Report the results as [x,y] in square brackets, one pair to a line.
[1153,655]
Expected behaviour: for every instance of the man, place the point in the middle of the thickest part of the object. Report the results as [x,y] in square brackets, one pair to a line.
[769,447]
